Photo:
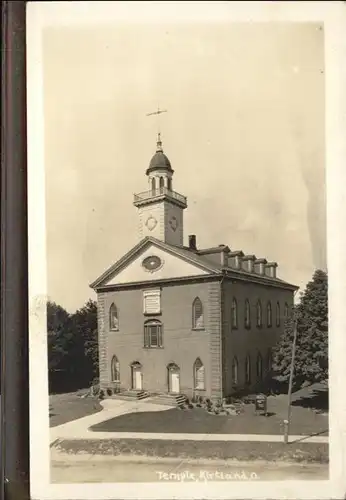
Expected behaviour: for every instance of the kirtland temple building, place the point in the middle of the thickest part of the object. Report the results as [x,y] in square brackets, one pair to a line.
[176,319]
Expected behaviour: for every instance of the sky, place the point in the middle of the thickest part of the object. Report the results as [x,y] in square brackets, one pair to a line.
[244,133]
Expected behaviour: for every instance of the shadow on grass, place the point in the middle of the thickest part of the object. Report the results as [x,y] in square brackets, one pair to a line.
[318,400]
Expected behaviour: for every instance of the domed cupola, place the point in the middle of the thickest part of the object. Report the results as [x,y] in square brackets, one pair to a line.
[160,208]
[159,161]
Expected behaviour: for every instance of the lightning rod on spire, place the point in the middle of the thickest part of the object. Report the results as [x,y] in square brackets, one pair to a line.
[157,113]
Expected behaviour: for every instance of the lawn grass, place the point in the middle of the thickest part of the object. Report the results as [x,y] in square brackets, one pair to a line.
[199,421]
[67,407]
[220,450]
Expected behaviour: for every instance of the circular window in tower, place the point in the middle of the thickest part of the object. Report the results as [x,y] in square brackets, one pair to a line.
[152,263]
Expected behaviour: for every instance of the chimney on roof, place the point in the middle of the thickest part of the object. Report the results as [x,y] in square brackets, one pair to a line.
[192,242]
[224,255]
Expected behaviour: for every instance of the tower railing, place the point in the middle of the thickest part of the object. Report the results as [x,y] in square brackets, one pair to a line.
[154,193]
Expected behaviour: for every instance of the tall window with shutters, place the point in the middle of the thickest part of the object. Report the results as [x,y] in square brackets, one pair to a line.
[286,311]
[247,370]
[115,369]
[259,367]
[269,314]
[234,371]
[259,314]
[269,360]
[153,334]
[199,374]
[197,314]
[278,314]
[247,316]
[234,314]
[113,318]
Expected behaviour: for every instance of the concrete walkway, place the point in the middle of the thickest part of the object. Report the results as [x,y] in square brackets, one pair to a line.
[79,429]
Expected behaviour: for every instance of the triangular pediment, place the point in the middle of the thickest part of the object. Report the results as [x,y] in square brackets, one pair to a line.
[170,263]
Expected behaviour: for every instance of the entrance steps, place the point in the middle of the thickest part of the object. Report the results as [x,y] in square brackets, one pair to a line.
[168,399]
[131,395]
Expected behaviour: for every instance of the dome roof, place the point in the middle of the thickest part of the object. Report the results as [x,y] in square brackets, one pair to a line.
[159,160]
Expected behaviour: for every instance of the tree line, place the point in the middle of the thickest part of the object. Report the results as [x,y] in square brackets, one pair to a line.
[72,347]
[73,344]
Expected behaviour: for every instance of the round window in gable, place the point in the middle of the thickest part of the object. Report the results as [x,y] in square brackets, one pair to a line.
[152,263]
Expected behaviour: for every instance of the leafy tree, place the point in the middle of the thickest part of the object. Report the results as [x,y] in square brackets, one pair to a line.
[84,323]
[72,346]
[59,336]
[311,356]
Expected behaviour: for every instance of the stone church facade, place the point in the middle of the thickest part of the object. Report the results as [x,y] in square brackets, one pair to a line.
[178,319]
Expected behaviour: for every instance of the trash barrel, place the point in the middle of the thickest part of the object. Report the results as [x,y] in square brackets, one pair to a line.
[261,404]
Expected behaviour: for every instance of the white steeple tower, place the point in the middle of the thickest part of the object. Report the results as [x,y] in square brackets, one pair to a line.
[160,208]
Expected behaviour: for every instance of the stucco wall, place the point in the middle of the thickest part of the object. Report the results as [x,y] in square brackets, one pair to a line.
[181,344]
[242,341]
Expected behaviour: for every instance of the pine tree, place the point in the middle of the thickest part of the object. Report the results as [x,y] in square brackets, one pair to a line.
[311,356]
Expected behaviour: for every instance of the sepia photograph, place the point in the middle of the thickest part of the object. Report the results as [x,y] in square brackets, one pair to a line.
[178,227]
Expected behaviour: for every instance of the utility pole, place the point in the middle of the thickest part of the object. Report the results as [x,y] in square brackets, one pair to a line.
[290,384]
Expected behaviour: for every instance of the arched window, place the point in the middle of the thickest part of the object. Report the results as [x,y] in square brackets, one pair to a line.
[269,360]
[197,314]
[259,367]
[235,371]
[277,314]
[286,310]
[234,314]
[269,314]
[162,184]
[113,317]
[115,369]
[169,184]
[153,333]
[248,370]
[153,185]
[199,374]
[259,314]
[247,319]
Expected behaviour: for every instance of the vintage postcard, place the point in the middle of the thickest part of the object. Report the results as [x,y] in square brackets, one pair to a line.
[184,184]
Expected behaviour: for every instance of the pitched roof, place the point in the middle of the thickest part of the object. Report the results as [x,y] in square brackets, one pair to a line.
[191,256]
[187,255]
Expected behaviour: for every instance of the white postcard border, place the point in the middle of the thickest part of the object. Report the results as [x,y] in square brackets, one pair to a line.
[333,15]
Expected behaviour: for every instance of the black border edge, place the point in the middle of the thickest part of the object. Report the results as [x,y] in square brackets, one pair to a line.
[14,259]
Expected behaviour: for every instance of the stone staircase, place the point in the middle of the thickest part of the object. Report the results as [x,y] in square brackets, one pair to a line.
[168,399]
[131,395]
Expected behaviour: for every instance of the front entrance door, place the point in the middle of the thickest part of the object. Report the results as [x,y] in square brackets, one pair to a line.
[175,382]
[137,378]
[174,379]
